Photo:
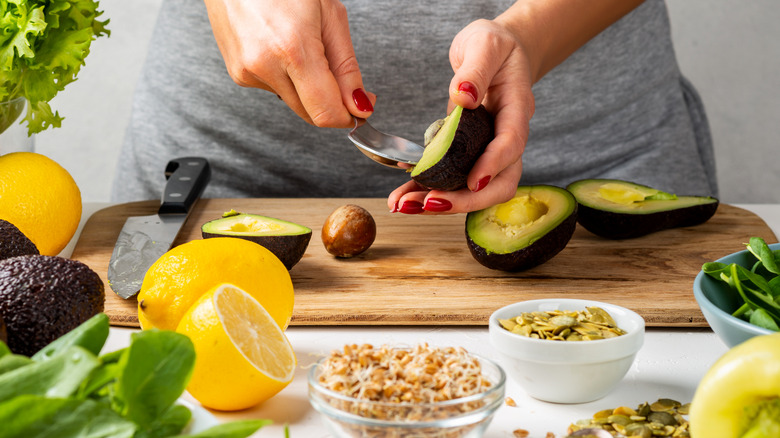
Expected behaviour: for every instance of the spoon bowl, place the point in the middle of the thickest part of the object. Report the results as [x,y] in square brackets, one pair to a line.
[388,150]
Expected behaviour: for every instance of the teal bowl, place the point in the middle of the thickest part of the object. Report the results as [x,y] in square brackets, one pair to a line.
[717,302]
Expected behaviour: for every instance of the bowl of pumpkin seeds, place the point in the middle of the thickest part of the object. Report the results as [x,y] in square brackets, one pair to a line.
[564,350]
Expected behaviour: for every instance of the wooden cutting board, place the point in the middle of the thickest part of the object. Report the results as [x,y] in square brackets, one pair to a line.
[419,270]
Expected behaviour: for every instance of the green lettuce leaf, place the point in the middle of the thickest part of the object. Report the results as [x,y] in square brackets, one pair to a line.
[43,45]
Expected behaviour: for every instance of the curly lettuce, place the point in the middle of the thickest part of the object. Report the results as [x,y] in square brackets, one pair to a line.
[43,44]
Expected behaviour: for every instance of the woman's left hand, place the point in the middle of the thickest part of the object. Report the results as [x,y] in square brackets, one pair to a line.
[491,68]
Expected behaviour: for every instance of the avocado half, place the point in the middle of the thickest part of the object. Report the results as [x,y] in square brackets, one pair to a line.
[618,209]
[454,148]
[526,231]
[286,240]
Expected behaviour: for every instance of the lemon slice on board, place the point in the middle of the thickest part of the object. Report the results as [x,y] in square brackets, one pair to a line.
[242,356]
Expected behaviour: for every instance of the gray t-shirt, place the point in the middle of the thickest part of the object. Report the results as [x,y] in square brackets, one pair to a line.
[617,108]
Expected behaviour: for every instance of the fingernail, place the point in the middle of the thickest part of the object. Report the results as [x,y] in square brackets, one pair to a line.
[395,207]
[411,207]
[470,89]
[482,183]
[362,102]
[438,205]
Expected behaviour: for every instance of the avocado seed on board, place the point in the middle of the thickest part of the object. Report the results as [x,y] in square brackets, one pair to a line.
[348,231]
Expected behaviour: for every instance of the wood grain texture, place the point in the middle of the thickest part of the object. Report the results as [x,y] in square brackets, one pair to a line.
[419,270]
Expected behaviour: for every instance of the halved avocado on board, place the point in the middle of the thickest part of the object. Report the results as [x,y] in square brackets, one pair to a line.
[453,150]
[618,209]
[286,240]
[526,231]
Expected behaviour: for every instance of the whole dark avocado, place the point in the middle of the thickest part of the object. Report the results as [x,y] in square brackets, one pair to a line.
[44,297]
[618,209]
[13,242]
[3,331]
[450,154]
[524,232]
[286,240]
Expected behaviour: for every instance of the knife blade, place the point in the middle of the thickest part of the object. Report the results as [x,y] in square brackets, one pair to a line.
[144,239]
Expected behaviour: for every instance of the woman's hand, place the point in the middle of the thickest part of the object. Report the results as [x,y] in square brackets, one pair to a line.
[491,67]
[300,50]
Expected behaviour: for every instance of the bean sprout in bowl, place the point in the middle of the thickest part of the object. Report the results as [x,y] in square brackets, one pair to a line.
[350,416]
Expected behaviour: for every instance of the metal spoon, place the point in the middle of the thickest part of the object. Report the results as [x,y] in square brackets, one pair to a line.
[388,150]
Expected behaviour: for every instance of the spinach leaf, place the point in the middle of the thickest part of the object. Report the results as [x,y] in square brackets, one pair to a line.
[715,269]
[762,318]
[171,422]
[4,349]
[60,376]
[101,377]
[155,371]
[235,429]
[91,335]
[758,247]
[36,416]
[11,362]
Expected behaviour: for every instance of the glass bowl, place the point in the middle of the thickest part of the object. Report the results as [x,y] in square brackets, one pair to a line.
[465,417]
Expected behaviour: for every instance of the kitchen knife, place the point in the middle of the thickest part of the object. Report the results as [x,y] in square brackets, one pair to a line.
[144,239]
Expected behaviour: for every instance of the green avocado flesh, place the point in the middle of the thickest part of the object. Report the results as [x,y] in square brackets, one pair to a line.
[621,209]
[525,231]
[286,240]
[440,142]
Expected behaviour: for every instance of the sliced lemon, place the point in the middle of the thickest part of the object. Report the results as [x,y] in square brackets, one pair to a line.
[242,356]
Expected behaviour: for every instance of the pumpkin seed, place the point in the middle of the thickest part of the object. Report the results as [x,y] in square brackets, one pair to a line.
[662,418]
[561,325]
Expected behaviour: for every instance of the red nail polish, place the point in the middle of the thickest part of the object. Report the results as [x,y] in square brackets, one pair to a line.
[470,89]
[362,102]
[411,207]
[482,183]
[395,207]
[437,205]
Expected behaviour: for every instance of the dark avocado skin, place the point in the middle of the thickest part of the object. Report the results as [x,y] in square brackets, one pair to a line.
[289,249]
[44,297]
[534,255]
[3,331]
[13,242]
[474,132]
[617,226]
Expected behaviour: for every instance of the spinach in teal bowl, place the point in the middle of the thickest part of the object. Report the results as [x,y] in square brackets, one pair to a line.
[717,301]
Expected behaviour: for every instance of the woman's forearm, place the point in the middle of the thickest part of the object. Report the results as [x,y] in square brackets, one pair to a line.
[551,30]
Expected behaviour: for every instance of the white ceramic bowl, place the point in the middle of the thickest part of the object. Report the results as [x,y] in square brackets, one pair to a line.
[567,371]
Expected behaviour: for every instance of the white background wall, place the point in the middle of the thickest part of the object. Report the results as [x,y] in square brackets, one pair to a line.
[730,49]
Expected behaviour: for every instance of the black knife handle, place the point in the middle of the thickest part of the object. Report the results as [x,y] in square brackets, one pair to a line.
[187,177]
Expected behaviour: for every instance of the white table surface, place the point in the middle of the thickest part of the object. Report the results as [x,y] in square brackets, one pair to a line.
[669,365]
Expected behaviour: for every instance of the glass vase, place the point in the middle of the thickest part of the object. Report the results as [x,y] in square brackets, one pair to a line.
[13,134]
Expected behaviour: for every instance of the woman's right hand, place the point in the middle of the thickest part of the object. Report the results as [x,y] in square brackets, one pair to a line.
[300,50]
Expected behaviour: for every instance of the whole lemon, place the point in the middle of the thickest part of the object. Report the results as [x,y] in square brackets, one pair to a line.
[242,356]
[183,274]
[40,198]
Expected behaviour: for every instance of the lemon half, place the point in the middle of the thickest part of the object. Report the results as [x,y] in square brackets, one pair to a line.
[242,356]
